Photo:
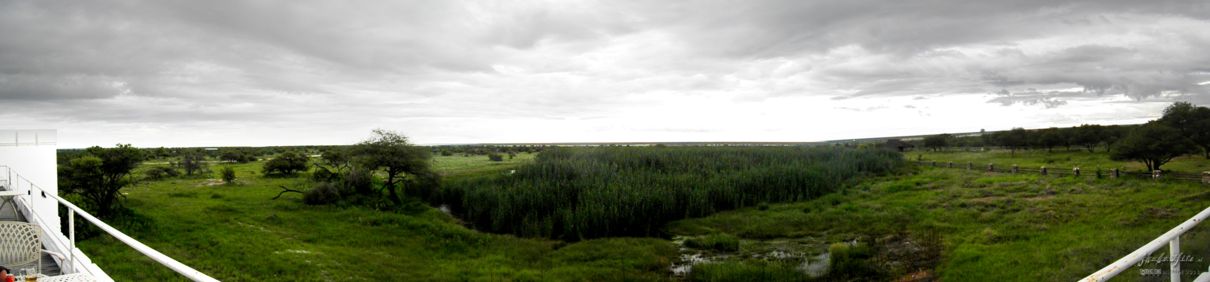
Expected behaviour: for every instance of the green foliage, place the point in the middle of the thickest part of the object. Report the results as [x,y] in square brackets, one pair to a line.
[937,142]
[391,153]
[192,162]
[285,164]
[1192,121]
[1153,144]
[240,235]
[988,226]
[228,175]
[1061,161]
[1088,136]
[495,157]
[323,193]
[615,191]
[746,271]
[718,242]
[850,260]
[160,172]
[98,175]
[236,156]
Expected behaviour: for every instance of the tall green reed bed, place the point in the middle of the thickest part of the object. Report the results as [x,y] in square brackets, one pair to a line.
[581,193]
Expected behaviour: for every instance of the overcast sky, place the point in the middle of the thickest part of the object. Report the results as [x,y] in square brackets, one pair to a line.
[213,73]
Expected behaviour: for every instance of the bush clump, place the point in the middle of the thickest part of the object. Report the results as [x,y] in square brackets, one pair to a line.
[746,271]
[160,172]
[717,242]
[288,163]
[323,193]
[228,175]
[850,260]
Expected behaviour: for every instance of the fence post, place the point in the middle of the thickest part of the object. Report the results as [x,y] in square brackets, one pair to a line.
[991,167]
[949,165]
[1076,171]
[933,163]
[1016,169]
[1098,173]
[970,166]
[1043,169]
[1155,174]
[1117,173]
[1206,177]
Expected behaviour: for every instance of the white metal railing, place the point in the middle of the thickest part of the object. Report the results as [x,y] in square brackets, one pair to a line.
[1172,238]
[72,210]
[28,137]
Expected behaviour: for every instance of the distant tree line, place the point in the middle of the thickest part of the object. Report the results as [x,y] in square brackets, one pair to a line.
[1183,129]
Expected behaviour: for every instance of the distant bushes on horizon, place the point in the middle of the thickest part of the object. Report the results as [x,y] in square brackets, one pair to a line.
[582,193]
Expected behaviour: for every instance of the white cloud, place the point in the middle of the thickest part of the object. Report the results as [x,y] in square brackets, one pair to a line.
[261,73]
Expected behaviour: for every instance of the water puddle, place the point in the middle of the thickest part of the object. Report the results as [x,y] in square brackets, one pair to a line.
[810,255]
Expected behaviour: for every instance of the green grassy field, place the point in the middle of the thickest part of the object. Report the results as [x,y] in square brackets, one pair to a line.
[1059,159]
[951,224]
[458,165]
[990,227]
[236,233]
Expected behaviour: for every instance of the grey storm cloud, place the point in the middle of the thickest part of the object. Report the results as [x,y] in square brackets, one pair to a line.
[179,61]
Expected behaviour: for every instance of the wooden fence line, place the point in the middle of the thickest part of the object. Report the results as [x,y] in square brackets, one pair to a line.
[1072,172]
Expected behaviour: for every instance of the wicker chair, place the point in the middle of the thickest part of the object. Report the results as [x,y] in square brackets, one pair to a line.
[20,245]
[21,248]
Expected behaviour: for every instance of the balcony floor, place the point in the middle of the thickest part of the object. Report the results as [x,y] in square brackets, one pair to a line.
[8,213]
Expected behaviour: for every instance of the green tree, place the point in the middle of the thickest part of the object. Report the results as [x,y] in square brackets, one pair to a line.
[1154,144]
[1047,138]
[235,156]
[98,175]
[1192,121]
[193,162]
[937,142]
[1088,136]
[391,153]
[1013,139]
[287,163]
[337,159]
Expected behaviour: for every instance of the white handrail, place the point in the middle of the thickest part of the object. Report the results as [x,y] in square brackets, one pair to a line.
[171,263]
[1171,238]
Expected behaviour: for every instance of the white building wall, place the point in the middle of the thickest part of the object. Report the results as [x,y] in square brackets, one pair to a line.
[31,154]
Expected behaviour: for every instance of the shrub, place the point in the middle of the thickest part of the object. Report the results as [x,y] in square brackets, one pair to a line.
[194,163]
[228,175]
[160,172]
[850,260]
[323,174]
[746,271]
[288,163]
[323,193]
[717,242]
[358,180]
[495,157]
[236,157]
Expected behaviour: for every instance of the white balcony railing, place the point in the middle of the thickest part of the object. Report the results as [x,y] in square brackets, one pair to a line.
[1172,238]
[33,137]
[74,260]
